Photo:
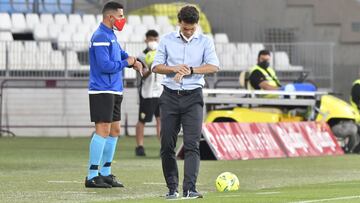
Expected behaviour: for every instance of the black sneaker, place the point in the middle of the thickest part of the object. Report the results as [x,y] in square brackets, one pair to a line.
[96,182]
[140,151]
[111,180]
[172,194]
[192,194]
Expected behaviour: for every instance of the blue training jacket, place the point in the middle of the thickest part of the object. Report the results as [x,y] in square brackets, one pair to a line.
[107,61]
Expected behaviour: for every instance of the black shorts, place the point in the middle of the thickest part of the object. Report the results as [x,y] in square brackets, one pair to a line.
[148,108]
[105,107]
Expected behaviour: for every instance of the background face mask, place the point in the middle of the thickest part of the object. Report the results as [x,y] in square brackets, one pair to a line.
[153,45]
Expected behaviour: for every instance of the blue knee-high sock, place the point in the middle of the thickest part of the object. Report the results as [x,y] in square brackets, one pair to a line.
[108,155]
[95,153]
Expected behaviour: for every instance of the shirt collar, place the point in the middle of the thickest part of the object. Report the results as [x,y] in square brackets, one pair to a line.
[195,36]
[106,29]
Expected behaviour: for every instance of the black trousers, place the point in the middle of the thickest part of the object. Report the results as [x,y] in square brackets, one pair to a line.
[178,110]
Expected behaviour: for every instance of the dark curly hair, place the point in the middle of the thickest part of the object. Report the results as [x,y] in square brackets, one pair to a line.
[188,14]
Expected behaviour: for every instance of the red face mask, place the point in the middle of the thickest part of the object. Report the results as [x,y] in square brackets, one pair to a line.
[119,23]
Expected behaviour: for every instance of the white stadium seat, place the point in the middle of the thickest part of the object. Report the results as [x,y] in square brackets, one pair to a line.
[32,20]
[134,49]
[53,31]
[134,20]
[241,61]
[167,29]
[281,61]
[45,46]
[18,23]
[148,20]
[154,27]
[99,18]
[136,38]
[83,28]
[61,19]
[30,46]
[129,73]
[162,20]
[15,60]
[93,28]
[244,48]
[2,55]
[64,41]
[69,29]
[128,29]
[226,61]
[5,22]
[79,41]
[15,46]
[46,19]
[140,29]
[75,19]
[255,49]
[219,48]
[221,38]
[89,19]
[41,32]
[29,60]
[43,61]
[6,36]
[230,48]
[122,36]
[72,61]
[57,60]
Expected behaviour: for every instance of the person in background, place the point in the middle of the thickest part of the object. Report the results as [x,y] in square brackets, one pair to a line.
[149,92]
[262,76]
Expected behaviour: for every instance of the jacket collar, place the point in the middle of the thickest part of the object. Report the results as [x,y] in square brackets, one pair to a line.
[106,29]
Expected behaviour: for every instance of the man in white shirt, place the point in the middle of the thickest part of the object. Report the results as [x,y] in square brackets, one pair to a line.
[149,92]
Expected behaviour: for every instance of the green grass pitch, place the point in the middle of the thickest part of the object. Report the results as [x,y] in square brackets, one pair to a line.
[54,169]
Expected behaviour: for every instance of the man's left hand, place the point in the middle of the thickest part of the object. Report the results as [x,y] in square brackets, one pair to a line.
[178,77]
[138,67]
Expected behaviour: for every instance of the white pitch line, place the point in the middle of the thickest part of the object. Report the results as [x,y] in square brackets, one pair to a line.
[151,183]
[267,193]
[68,192]
[63,181]
[229,195]
[329,199]
[155,183]
[259,193]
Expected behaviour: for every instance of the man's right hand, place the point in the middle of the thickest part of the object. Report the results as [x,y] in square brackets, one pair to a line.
[131,60]
[182,69]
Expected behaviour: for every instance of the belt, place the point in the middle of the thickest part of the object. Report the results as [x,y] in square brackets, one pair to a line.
[181,92]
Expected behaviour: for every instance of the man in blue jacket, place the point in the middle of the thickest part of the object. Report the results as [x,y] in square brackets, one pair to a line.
[107,61]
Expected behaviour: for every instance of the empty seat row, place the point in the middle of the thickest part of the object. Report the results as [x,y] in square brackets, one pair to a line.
[20,46]
[43,6]
[240,61]
[19,22]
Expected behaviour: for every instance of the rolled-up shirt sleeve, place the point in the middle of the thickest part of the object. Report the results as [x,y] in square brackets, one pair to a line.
[160,57]
[210,56]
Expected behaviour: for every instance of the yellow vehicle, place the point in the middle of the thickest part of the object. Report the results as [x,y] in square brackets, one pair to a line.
[248,106]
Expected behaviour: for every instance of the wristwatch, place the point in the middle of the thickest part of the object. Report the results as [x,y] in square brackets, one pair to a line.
[191,70]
